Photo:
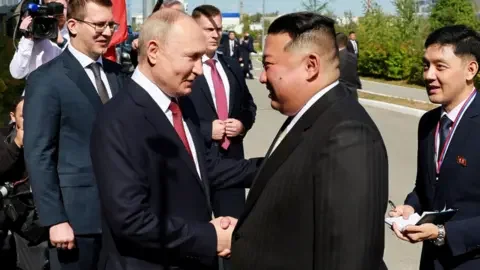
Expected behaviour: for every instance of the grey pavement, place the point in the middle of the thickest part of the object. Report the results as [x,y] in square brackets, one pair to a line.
[402,162]
[394,90]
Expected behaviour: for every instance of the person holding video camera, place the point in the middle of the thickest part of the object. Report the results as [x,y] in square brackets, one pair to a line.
[17,209]
[33,52]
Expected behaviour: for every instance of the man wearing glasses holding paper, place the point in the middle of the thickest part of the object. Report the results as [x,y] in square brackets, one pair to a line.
[61,101]
[448,154]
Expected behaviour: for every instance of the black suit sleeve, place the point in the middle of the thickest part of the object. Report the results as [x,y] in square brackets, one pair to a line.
[413,198]
[249,109]
[42,115]
[124,190]
[351,195]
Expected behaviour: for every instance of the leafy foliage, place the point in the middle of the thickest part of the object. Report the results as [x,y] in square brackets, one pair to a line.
[391,47]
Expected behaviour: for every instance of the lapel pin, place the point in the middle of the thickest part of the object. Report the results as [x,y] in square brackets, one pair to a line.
[462,161]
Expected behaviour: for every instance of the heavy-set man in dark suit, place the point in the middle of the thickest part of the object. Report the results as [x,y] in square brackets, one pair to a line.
[153,172]
[319,199]
[224,106]
[448,157]
[61,102]
[348,65]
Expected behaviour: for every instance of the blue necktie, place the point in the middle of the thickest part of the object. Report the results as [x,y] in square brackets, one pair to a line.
[445,125]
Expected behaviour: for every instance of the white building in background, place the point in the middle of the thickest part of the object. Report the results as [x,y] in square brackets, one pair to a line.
[137,19]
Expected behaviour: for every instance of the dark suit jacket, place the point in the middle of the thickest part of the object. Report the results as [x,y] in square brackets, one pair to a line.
[318,202]
[227,50]
[351,49]
[241,104]
[60,106]
[348,70]
[457,188]
[156,208]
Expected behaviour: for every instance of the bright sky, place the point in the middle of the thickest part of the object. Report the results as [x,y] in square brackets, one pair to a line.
[283,6]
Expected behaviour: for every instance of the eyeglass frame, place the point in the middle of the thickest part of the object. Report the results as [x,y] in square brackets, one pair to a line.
[95,26]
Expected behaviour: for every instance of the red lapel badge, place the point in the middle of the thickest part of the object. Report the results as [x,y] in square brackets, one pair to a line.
[462,161]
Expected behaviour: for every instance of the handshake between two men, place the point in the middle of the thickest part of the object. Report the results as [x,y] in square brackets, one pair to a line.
[224,227]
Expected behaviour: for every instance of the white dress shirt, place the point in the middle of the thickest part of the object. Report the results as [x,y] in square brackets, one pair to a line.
[232,46]
[163,101]
[31,54]
[85,61]
[207,72]
[355,46]
[302,111]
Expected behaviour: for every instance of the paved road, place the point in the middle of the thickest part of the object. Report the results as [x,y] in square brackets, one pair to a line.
[402,161]
[394,90]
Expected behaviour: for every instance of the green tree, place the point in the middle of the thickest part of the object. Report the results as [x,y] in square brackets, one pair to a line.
[448,12]
[317,6]
[245,20]
[256,18]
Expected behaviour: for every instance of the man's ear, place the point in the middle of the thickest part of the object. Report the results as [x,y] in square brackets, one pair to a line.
[312,66]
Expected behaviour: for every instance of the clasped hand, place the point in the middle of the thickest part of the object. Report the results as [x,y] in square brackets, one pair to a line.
[230,128]
[411,233]
[224,227]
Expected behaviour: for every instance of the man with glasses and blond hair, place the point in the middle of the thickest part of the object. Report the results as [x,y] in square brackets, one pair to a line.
[61,101]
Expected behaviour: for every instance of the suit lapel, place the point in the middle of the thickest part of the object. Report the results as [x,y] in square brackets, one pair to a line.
[430,146]
[206,91]
[463,131]
[111,77]
[78,75]
[289,143]
[232,81]
[160,122]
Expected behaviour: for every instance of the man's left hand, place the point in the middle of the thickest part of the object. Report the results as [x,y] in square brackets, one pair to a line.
[233,127]
[421,233]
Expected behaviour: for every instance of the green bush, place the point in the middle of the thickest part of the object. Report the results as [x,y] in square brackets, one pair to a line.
[391,47]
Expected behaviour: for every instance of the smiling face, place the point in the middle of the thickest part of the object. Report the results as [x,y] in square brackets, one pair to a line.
[177,62]
[446,75]
[283,74]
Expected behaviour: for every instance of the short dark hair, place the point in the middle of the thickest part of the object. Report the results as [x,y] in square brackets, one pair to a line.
[15,103]
[229,32]
[76,8]
[157,6]
[208,11]
[342,39]
[306,27]
[351,32]
[465,40]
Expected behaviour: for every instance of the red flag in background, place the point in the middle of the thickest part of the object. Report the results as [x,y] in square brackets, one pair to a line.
[119,16]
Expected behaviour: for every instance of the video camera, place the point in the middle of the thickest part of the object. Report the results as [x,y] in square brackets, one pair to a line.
[44,23]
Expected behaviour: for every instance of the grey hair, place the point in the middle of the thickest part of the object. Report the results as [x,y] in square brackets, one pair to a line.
[156,27]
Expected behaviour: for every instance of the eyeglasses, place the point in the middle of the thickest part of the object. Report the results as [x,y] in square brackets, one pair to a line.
[100,27]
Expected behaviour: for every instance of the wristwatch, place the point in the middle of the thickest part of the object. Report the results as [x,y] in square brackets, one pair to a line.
[440,241]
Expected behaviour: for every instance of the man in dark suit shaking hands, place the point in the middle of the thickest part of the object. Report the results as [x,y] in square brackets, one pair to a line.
[224,105]
[319,199]
[61,102]
[153,172]
[448,157]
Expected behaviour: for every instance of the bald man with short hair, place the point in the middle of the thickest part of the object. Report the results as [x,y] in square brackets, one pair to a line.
[154,175]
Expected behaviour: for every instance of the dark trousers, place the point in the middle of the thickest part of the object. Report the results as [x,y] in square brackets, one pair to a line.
[84,256]
[31,257]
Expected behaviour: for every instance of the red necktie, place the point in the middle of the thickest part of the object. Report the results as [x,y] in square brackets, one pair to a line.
[220,98]
[178,124]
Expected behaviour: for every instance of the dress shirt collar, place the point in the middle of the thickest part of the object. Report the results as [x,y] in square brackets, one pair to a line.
[84,60]
[153,90]
[309,104]
[64,32]
[452,115]
[205,57]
